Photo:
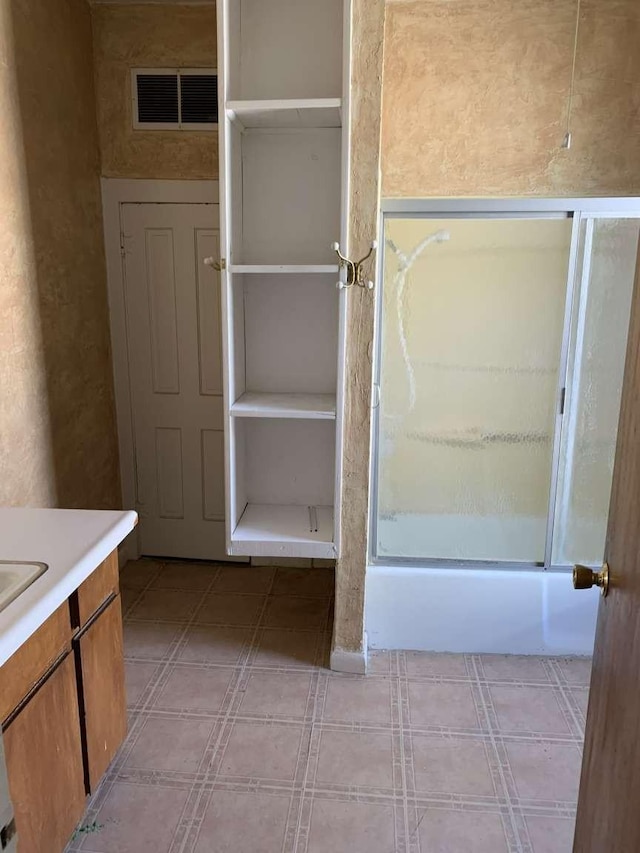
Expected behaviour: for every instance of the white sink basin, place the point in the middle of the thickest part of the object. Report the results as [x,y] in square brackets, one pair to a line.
[15,578]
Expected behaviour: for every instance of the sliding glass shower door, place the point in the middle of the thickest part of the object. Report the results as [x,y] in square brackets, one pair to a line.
[498,402]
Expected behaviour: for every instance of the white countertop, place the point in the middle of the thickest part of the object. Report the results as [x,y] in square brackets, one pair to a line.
[72,542]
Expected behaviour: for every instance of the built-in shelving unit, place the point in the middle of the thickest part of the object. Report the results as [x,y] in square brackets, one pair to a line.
[283,110]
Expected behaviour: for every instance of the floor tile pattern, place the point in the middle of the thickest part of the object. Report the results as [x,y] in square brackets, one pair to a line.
[242,741]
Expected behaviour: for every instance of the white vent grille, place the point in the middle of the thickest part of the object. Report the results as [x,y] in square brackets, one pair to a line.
[175,98]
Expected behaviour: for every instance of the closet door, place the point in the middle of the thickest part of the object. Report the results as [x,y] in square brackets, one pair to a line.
[283,121]
[173,339]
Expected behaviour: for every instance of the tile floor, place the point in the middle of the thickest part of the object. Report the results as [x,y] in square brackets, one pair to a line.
[241,741]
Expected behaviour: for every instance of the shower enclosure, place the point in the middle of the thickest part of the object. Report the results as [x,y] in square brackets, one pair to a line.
[501,342]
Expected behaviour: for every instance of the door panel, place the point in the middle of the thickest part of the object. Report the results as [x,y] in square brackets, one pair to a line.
[608,817]
[173,336]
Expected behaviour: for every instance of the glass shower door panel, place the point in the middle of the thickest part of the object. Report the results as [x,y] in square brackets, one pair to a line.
[594,387]
[472,325]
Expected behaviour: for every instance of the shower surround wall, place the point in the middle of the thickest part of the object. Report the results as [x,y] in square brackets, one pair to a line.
[474,104]
[58,442]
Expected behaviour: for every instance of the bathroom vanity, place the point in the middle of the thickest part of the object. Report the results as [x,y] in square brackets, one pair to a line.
[62,695]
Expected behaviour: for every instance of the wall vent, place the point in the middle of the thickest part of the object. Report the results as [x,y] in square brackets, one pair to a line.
[174,98]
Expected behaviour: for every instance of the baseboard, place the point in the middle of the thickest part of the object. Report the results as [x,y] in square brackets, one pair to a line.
[347,661]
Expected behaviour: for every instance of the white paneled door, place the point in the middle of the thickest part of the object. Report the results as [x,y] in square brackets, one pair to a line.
[173,338]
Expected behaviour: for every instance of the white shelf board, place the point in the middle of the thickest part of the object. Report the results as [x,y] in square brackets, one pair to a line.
[274,530]
[279,269]
[253,404]
[290,113]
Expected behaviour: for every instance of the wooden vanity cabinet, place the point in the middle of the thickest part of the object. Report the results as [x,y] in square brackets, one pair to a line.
[63,711]
[43,754]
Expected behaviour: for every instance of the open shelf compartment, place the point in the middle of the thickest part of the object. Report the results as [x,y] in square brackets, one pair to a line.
[284,476]
[276,530]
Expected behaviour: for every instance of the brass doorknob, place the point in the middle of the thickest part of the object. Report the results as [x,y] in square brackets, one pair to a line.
[585,578]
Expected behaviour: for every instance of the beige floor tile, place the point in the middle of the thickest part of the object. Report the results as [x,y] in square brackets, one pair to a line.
[346,827]
[214,644]
[528,709]
[581,696]
[514,668]
[545,771]
[355,758]
[128,597]
[449,831]
[576,670]
[309,582]
[230,609]
[379,662]
[282,647]
[137,677]
[356,698]
[245,579]
[284,611]
[137,819]
[190,688]
[138,573]
[170,744]
[438,704]
[166,605]
[551,834]
[262,751]
[243,823]
[149,640]
[187,576]
[276,694]
[434,664]
[449,765]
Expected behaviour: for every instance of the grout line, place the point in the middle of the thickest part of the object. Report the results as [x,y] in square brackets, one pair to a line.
[213,749]
[487,711]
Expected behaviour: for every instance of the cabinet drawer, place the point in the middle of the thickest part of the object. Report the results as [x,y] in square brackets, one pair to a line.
[26,666]
[97,588]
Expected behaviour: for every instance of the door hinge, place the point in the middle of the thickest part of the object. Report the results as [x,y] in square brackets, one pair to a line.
[563,393]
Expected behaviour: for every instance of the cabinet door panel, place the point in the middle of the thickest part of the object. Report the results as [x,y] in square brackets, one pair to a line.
[102,664]
[44,764]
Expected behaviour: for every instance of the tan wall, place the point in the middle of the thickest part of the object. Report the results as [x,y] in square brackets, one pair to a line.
[150,36]
[476,91]
[57,427]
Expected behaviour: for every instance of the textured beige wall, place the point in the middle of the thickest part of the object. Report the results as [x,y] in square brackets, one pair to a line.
[476,91]
[150,36]
[57,426]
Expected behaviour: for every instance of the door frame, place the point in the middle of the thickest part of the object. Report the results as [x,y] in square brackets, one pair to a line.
[115,193]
